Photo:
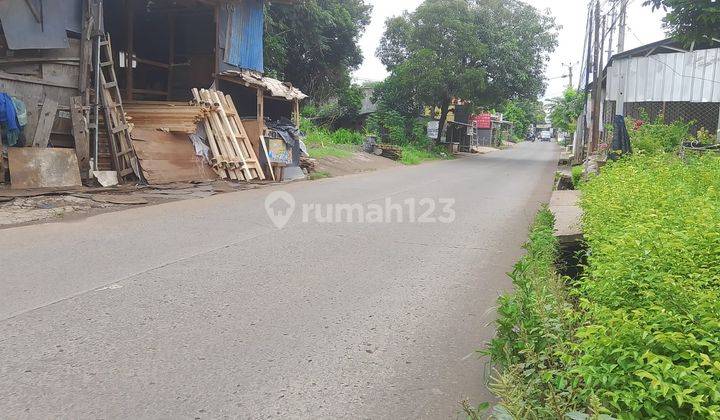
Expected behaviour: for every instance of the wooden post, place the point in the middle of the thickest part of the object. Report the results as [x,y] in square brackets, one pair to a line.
[81,135]
[261,111]
[130,49]
[85,50]
[296,112]
[171,54]
[595,133]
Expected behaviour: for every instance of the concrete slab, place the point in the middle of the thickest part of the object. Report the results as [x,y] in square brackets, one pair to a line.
[568,215]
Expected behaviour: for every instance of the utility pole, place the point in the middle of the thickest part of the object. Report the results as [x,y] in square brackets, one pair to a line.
[570,74]
[622,26]
[613,23]
[595,133]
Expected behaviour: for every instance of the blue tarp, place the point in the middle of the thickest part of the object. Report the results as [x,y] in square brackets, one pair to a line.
[245,46]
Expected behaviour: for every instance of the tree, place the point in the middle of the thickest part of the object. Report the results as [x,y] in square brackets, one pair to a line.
[565,110]
[483,51]
[690,20]
[522,113]
[314,44]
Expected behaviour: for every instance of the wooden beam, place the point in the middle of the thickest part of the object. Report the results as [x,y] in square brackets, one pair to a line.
[152,63]
[130,28]
[171,53]
[34,80]
[45,123]
[261,111]
[81,135]
[296,112]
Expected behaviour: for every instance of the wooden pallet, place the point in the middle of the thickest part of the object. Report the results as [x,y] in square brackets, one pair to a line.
[124,159]
[233,155]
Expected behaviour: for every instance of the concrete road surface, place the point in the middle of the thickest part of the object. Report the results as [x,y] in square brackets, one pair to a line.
[204,309]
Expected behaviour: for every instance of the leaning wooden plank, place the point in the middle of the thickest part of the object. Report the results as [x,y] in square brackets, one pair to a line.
[232,135]
[248,144]
[80,133]
[45,123]
[267,157]
[221,135]
[43,168]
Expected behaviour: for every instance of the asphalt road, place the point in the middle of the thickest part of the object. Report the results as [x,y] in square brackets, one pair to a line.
[204,309]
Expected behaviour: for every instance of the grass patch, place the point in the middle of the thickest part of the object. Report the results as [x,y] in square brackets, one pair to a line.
[318,175]
[414,155]
[318,151]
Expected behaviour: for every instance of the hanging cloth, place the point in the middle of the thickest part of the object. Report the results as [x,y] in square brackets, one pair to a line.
[8,120]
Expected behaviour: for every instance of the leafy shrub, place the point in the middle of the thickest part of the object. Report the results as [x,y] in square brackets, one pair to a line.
[577,174]
[345,136]
[650,344]
[534,327]
[638,336]
[658,137]
[413,154]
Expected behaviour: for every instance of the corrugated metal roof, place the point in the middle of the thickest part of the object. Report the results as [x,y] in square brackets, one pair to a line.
[676,77]
[23,30]
[274,87]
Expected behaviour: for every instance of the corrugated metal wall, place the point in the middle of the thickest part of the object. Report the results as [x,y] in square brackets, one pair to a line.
[676,77]
[245,44]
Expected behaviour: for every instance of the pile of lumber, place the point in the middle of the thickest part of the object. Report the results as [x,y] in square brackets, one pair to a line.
[233,156]
[309,164]
[389,151]
[165,116]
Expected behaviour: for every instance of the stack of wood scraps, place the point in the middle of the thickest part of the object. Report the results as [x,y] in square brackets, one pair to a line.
[389,151]
[309,164]
[165,116]
[233,156]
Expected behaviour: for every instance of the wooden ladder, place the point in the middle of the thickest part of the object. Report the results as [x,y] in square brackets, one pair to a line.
[123,155]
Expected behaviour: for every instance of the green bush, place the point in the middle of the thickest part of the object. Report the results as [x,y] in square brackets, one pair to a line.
[413,155]
[345,136]
[534,327]
[658,137]
[638,336]
[577,175]
[650,344]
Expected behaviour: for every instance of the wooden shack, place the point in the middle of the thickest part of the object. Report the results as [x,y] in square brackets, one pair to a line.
[161,49]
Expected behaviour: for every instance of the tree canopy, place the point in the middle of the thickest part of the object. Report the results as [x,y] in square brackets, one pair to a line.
[690,20]
[522,113]
[314,44]
[565,110]
[482,51]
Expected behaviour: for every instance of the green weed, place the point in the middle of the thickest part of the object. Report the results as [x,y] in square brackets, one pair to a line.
[318,175]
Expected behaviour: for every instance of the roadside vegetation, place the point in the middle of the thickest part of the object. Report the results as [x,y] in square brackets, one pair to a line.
[638,334]
[342,143]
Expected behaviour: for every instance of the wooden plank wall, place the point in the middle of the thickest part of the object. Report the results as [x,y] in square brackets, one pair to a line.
[33,75]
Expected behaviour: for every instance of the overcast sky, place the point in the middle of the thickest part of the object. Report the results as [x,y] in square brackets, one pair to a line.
[644,27]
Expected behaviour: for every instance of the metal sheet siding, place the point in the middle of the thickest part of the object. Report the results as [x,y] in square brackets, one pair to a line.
[22,31]
[677,77]
[246,40]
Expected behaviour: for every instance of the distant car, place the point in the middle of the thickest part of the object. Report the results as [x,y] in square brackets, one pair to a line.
[545,136]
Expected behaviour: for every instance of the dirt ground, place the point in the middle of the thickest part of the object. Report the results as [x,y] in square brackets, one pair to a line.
[21,207]
[358,162]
